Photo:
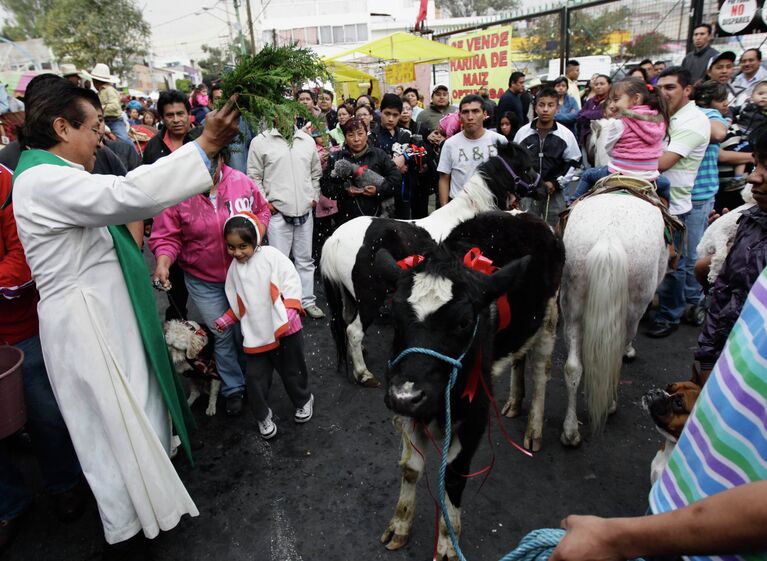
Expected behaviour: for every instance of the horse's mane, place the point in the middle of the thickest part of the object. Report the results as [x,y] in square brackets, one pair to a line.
[491,182]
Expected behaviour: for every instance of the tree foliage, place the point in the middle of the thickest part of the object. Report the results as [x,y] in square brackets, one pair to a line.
[184,85]
[26,18]
[216,61]
[86,32]
[589,33]
[464,8]
[647,45]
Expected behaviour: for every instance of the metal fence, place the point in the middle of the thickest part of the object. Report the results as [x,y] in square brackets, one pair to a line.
[627,31]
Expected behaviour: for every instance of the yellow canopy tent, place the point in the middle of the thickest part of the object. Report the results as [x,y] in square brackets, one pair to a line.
[350,81]
[404,47]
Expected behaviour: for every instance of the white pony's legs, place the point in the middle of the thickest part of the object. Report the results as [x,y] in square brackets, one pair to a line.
[571,436]
[354,335]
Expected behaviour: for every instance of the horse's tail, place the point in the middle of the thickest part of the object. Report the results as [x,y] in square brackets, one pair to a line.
[604,326]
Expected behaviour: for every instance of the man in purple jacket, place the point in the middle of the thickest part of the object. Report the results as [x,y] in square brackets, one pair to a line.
[745,261]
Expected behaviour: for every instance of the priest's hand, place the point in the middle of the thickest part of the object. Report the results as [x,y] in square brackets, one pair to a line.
[221,128]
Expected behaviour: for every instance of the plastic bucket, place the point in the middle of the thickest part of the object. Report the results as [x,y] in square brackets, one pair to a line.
[13,413]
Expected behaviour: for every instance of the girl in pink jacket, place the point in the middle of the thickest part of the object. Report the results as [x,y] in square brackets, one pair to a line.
[635,141]
[190,233]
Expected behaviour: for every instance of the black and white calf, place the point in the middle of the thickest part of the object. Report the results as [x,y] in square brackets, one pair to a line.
[446,305]
[355,294]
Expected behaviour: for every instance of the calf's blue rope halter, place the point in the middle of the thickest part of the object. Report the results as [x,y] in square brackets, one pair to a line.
[456,363]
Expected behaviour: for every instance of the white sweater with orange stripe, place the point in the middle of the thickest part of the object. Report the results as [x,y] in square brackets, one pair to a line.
[259,292]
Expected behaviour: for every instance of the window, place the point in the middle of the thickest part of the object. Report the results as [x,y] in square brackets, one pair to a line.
[326,35]
[362,32]
[350,33]
[338,34]
[311,36]
[299,36]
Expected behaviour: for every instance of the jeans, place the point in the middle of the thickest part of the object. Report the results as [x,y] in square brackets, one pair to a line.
[591,176]
[55,455]
[672,289]
[210,300]
[697,223]
[296,240]
[118,128]
[588,179]
[547,208]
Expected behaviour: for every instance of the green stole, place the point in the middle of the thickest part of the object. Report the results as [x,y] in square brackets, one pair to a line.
[141,294]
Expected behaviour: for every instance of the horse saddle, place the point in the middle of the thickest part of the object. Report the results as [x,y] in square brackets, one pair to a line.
[640,188]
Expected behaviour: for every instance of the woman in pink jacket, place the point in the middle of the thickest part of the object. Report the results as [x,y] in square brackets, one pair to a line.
[190,233]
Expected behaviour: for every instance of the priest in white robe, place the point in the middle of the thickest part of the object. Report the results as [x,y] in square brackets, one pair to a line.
[98,335]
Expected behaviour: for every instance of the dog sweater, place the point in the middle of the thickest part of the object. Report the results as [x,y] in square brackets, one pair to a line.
[260,292]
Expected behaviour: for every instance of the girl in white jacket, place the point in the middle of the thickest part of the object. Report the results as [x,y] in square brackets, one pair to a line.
[264,293]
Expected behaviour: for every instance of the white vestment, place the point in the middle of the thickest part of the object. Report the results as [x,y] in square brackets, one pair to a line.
[109,398]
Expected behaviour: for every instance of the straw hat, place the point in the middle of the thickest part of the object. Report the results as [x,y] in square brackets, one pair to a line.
[67,69]
[534,83]
[101,73]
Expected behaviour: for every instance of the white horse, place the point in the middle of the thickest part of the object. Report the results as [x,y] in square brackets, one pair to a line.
[616,257]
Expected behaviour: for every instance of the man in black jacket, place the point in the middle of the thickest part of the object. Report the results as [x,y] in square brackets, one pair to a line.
[511,100]
[365,200]
[175,111]
[556,152]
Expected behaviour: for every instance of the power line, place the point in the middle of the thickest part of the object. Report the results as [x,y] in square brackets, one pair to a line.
[196,13]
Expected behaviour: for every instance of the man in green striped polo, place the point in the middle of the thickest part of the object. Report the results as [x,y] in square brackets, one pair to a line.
[689,132]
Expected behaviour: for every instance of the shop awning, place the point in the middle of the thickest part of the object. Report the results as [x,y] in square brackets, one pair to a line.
[404,47]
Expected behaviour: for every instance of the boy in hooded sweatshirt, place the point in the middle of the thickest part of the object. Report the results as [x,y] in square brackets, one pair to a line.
[635,141]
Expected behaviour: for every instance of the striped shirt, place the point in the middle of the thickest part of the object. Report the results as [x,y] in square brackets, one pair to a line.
[707,181]
[724,443]
[689,131]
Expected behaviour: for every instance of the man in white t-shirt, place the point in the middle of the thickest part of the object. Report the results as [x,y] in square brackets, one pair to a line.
[464,151]
[689,132]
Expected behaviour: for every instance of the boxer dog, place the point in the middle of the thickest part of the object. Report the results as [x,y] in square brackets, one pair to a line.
[669,410]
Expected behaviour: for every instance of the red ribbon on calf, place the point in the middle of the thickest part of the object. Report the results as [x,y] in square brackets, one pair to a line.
[475,261]
[410,261]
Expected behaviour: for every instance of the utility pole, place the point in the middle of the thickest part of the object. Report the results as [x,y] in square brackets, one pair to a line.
[243,50]
[250,27]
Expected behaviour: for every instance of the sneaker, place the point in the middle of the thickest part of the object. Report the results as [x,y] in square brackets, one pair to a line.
[267,428]
[234,405]
[303,414]
[314,312]
[694,315]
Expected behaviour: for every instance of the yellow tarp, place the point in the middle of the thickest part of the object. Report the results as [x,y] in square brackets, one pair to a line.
[404,47]
[347,80]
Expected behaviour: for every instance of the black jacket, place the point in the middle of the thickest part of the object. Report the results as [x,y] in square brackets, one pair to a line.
[511,102]
[559,153]
[156,147]
[745,261]
[351,207]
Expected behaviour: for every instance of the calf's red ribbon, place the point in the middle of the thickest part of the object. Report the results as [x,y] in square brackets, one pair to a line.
[475,261]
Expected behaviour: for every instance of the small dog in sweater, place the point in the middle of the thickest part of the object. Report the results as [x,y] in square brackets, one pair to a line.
[191,349]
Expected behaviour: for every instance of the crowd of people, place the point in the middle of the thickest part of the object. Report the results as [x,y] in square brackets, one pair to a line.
[95,176]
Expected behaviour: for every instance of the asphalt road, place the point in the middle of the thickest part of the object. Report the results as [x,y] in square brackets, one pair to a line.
[325,490]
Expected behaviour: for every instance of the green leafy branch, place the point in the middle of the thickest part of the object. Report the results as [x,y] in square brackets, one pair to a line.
[265,83]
